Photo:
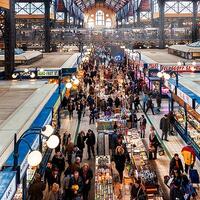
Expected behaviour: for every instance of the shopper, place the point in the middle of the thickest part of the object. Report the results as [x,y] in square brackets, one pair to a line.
[58,161]
[36,188]
[120,159]
[171,118]
[153,144]
[76,166]
[150,105]
[136,102]
[71,108]
[54,194]
[79,110]
[66,189]
[176,162]
[143,123]
[117,102]
[138,191]
[175,192]
[69,150]
[189,157]
[54,177]
[47,174]
[75,186]
[164,126]
[86,175]
[90,141]
[81,142]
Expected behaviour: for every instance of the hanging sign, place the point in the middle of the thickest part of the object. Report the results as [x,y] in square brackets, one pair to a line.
[48,73]
[188,68]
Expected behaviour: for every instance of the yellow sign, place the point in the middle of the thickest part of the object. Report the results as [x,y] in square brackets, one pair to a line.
[4,4]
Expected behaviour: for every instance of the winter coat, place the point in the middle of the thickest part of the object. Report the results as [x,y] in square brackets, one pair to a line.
[90,139]
[173,164]
[164,124]
[176,193]
[81,142]
[78,182]
[59,163]
[154,141]
[36,190]
[89,176]
[120,162]
[53,195]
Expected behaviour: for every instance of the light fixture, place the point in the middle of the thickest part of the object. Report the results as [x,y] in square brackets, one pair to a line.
[53,141]
[41,70]
[26,70]
[34,158]
[14,76]
[32,75]
[76,81]
[179,63]
[166,76]
[68,85]
[47,130]
[193,68]
[159,74]
[194,63]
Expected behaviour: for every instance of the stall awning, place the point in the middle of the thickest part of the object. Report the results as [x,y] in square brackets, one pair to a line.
[8,185]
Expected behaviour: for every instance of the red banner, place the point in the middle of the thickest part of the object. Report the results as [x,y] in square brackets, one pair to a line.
[145,5]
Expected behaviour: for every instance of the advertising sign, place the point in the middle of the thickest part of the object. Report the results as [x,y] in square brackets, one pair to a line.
[48,73]
[184,97]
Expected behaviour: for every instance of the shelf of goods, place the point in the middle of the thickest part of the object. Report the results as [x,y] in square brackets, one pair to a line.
[140,166]
[103,179]
[193,125]
[107,123]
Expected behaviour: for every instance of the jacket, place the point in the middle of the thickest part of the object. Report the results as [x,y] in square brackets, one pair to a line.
[164,124]
[91,139]
[59,163]
[173,164]
[188,155]
[81,142]
[154,141]
[176,193]
[36,190]
[89,176]
[53,196]
[120,162]
[78,182]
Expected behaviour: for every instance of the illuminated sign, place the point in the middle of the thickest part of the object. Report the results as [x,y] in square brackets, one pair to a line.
[48,73]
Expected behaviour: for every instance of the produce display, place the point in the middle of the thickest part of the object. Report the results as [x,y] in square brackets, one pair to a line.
[103,179]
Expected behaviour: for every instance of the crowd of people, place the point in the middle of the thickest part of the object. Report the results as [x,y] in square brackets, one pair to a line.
[68,177]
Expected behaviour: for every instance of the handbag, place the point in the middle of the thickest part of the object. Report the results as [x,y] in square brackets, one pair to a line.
[161,152]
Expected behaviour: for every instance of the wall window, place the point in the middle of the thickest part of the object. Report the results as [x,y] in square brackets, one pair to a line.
[99,18]
[108,23]
[91,23]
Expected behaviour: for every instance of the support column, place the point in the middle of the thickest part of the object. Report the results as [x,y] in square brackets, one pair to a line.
[65,19]
[9,40]
[152,13]
[161,4]
[138,17]
[47,29]
[194,21]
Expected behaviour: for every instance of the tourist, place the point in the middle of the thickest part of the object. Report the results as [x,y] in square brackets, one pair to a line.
[86,175]
[153,144]
[47,174]
[58,161]
[176,162]
[164,126]
[143,123]
[71,108]
[138,191]
[81,142]
[36,188]
[120,160]
[91,140]
[75,186]
[54,194]
[150,105]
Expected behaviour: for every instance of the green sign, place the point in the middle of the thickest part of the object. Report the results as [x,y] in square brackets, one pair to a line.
[48,73]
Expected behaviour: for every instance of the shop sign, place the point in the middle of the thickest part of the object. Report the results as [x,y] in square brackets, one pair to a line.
[48,73]
[170,86]
[24,164]
[10,191]
[184,97]
[187,68]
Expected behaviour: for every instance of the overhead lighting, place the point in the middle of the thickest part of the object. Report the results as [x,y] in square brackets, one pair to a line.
[34,158]
[68,85]
[32,75]
[26,70]
[41,69]
[53,142]
[76,81]
[159,74]
[179,63]
[47,130]
[14,76]
[194,63]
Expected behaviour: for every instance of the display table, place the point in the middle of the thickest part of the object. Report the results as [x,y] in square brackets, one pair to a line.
[103,179]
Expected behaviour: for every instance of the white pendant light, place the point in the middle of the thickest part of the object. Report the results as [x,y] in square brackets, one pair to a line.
[76,81]
[68,85]
[34,158]
[53,142]
[47,130]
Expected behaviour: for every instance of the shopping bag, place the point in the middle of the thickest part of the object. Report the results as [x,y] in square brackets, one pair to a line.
[168,180]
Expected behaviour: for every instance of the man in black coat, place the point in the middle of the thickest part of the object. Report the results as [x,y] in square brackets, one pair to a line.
[164,126]
[91,140]
[176,162]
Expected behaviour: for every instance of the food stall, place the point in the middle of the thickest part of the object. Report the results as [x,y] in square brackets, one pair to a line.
[103,178]
[187,117]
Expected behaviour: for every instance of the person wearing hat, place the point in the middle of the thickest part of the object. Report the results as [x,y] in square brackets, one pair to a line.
[36,188]
[86,175]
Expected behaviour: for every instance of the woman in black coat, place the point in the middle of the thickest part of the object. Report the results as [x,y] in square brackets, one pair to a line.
[81,142]
[86,175]
[153,142]
[120,159]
